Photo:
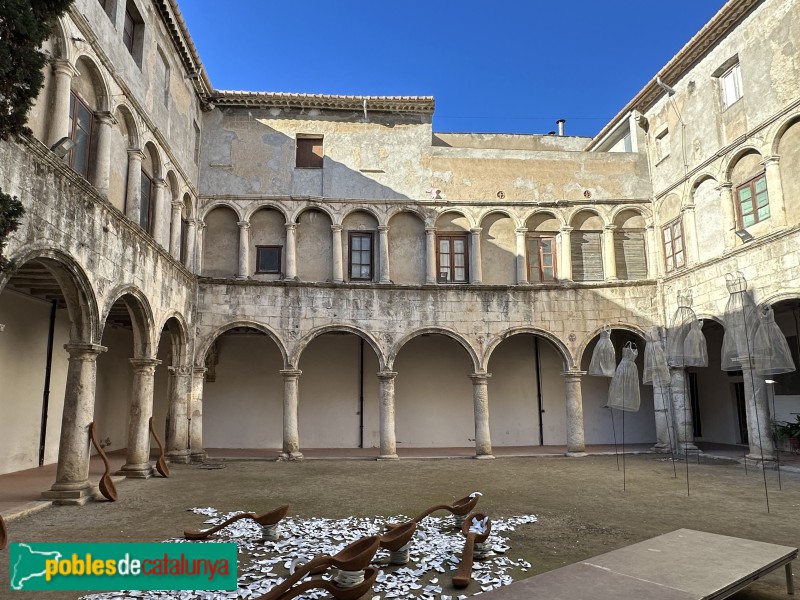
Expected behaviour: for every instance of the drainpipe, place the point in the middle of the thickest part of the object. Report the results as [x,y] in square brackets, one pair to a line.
[539,389]
[361,393]
[560,124]
[47,370]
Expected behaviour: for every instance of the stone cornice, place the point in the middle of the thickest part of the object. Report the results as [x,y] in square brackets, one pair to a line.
[415,104]
[728,17]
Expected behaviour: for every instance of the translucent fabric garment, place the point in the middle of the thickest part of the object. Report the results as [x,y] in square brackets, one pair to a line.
[623,392]
[678,330]
[771,354]
[741,323]
[695,353]
[604,358]
[655,370]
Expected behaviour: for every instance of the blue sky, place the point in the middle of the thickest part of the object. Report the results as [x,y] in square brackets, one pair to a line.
[512,66]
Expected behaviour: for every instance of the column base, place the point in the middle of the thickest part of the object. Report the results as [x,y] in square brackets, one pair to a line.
[242,277]
[144,471]
[756,459]
[178,457]
[198,456]
[688,447]
[388,457]
[70,494]
[661,448]
[484,456]
[290,457]
[576,454]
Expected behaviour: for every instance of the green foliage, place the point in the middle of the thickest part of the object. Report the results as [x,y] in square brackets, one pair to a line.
[786,429]
[11,212]
[24,26]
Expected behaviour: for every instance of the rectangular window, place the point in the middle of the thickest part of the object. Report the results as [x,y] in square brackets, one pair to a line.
[731,85]
[360,255]
[672,235]
[80,132]
[452,259]
[587,255]
[309,153]
[196,143]
[630,255]
[662,145]
[164,75]
[146,204]
[268,259]
[129,30]
[753,201]
[541,259]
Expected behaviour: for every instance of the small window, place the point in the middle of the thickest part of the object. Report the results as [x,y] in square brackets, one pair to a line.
[662,145]
[309,153]
[146,205]
[196,143]
[108,7]
[128,30]
[674,256]
[268,259]
[133,32]
[753,201]
[164,75]
[541,259]
[452,259]
[361,266]
[731,85]
[80,131]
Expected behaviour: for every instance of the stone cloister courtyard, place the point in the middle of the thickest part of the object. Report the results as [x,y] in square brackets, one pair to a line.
[580,504]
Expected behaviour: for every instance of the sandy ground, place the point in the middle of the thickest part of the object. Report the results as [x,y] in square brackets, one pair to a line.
[582,508]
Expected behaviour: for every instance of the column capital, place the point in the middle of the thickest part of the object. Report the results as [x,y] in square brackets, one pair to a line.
[383,228]
[243,224]
[336,228]
[198,371]
[650,227]
[64,67]
[573,375]
[180,371]
[144,364]
[104,117]
[199,223]
[481,377]
[725,185]
[565,229]
[81,351]
[521,230]
[430,230]
[159,183]
[291,226]
[290,373]
[177,204]
[387,375]
[610,227]
[476,230]
[771,160]
[135,153]
[687,208]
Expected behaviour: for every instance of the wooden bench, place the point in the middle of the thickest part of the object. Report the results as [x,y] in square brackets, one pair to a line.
[681,565]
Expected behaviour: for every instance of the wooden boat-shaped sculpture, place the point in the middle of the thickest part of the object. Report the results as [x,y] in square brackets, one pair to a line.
[3,534]
[161,463]
[460,508]
[268,519]
[397,540]
[463,575]
[106,483]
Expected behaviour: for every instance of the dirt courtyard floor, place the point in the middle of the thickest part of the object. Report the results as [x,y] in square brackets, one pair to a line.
[580,503]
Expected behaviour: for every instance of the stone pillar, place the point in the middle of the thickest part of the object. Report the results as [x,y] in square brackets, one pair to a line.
[191,240]
[180,396]
[157,226]
[386,410]
[480,404]
[777,202]
[196,451]
[729,221]
[430,255]
[133,195]
[522,262]
[576,445]
[63,73]
[291,250]
[566,254]
[609,253]
[758,418]
[244,250]
[663,418]
[198,253]
[102,164]
[72,475]
[338,269]
[476,268]
[383,243]
[291,436]
[690,235]
[137,463]
[682,411]
[652,252]
[175,230]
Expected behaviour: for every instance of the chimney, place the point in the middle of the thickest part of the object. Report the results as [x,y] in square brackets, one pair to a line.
[560,124]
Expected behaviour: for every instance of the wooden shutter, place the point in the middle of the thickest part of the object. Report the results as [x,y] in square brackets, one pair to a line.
[587,256]
[630,255]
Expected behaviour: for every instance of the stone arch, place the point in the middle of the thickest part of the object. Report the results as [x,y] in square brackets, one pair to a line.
[592,221]
[356,209]
[535,218]
[59,37]
[204,212]
[640,210]
[94,89]
[669,208]
[442,219]
[784,126]
[264,205]
[498,247]
[588,339]
[562,349]
[407,247]
[395,349]
[782,296]
[302,344]
[295,217]
[394,211]
[141,314]
[736,159]
[698,180]
[221,241]
[204,343]
[156,164]
[787,147]
[175,323]
[494,210]
[172,184]
[126,118]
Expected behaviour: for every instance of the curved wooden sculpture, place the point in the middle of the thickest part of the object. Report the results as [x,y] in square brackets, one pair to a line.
[270,518]
[3,534]
[161,463]
[106,484]
[353,557]
[398,536]
[459,508]
[463,575]
[340,593]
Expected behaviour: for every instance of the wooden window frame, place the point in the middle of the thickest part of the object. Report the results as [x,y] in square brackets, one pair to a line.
[361,234]
[129,39]
[671,253]
[751,185]
[148,224]
[306,157]
[539,237]
[280,260]
[453,236]
[735,73]
[76,102]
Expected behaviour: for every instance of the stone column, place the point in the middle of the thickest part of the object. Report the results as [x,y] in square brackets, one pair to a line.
[777,202]
[652,252]
[198,254]
[682,412]
[158,222]
[63,73]
[386,409]
[663,418]
[175,230]
[338,269]
[522,263]
[191,240]
[133,195]
[480,404]
[430,256]
[197,453]
[566,254]
[729,221]
[291,436]
[291,250]
[576,445]
[137,464]
[690,235]
[244,249]
[72,475]
[609,253]
[383,243]
[180,396]
[758,418]
[102,164]
[476,268]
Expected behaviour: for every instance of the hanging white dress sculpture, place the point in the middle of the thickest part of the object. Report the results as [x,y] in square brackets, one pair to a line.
[741,322]
[656,371]
[695,353]
[679,329]
[623,392]
[603,357]
[771,354]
